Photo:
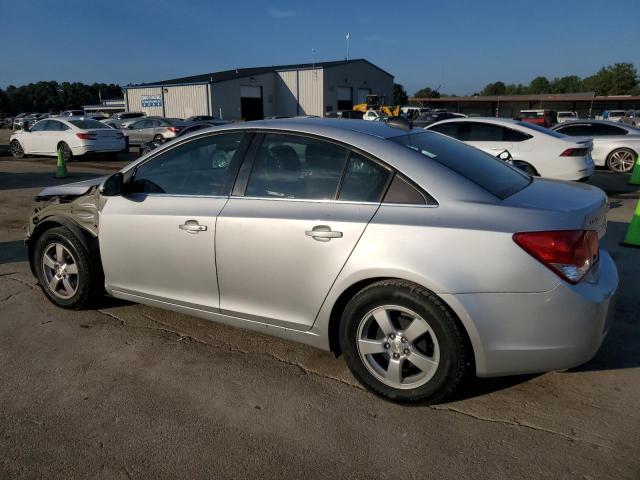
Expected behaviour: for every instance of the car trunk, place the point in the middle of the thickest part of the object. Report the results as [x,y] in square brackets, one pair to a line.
[584,204]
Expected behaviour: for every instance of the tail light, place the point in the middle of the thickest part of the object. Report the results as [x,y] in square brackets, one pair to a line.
[86,136]
[575,152]
[173,129]
[569,253]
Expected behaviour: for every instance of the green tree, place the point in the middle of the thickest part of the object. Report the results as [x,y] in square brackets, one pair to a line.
[496,88]
[427,92]
[568,84]
[399,95]
[617,79]
[539,85]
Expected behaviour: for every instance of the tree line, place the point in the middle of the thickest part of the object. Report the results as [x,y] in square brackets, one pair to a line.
[617,79]
[53,96]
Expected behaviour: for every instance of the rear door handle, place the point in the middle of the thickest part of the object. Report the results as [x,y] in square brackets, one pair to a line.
[322,233]
[192,226]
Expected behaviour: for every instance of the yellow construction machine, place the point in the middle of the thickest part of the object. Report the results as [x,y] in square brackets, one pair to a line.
[378,102]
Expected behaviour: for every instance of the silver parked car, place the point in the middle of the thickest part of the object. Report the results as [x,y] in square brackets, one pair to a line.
[152,128]
[413,255]
[632,118]
[615,145]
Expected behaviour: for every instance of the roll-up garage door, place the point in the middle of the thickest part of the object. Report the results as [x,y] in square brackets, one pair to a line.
[251,102]
[345,101]
[362,94]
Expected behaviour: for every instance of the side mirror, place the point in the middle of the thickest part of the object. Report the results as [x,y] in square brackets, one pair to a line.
[25,127]
[113,185]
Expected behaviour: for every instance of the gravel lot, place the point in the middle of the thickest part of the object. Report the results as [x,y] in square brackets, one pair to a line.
[129,391]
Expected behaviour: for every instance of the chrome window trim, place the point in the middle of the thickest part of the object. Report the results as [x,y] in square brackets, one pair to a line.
[177,195]
[333,201]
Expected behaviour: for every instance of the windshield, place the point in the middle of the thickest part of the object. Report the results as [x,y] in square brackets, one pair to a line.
[490,173]
[565,114]
[87,124]
[539,129]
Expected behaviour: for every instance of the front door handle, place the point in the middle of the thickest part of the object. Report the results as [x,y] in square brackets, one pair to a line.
[322,233]
[192,226]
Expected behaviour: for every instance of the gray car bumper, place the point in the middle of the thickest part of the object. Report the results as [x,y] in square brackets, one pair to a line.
[515,333]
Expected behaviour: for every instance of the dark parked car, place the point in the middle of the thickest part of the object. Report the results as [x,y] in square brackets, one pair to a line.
[355,114]
[427,118]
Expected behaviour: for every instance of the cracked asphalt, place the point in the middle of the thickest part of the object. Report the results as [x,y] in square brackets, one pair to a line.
[129,391]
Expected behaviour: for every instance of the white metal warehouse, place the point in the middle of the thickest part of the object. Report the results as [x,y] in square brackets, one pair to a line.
[255,93]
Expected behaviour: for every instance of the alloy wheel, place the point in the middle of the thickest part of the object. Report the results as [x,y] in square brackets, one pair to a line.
[60,270]
[16,149]
[398,347]
[622,161]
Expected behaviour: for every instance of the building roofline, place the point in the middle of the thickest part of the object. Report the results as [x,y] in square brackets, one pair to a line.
[562,97]
[225,75]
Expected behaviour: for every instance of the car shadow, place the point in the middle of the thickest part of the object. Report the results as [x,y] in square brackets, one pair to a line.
[11,180]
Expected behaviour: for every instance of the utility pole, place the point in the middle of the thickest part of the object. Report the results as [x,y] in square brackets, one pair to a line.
[348,36]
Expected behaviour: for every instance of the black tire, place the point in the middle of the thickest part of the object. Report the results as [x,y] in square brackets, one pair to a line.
[621,160]
[453,355]
[16,149]
[89,276]
[67,154]
[158,138]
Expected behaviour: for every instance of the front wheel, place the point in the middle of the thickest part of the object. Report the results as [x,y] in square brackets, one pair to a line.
[621,160]
[16,149]
[64,269]
[402,343]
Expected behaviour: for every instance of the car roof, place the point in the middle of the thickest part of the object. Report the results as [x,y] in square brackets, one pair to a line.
[324,126]
[495,120]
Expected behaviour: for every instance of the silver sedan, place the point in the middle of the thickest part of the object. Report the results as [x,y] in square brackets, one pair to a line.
[416,257]
[615,145]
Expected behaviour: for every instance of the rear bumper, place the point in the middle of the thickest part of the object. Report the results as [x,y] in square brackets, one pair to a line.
[102,147]
[576,168]
[515,333]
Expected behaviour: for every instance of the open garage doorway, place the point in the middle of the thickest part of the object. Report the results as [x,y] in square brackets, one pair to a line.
[251,103]
[345,101]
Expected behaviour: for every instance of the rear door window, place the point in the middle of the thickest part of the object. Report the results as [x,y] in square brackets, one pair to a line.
[451,129]
[295,167]
[364,180]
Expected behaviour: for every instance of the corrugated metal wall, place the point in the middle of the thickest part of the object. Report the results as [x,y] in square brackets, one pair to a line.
[360,77]
[186,101]
[287,93]
[135,96]
[310,92]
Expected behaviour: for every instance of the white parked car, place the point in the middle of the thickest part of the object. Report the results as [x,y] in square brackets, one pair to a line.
[72,136]
[535,149]
[373,115]
[613,115]
[615,145]
[566,116]
[72,113]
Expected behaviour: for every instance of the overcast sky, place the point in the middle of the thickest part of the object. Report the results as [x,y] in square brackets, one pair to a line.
[461,45]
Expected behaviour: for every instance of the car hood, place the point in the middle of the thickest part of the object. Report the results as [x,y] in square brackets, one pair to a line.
[75,189]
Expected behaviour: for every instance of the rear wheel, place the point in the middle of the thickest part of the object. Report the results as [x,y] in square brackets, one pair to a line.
[402,343]
[16,149]
[621,160]
[64,269]
[158,138]
[65,150]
